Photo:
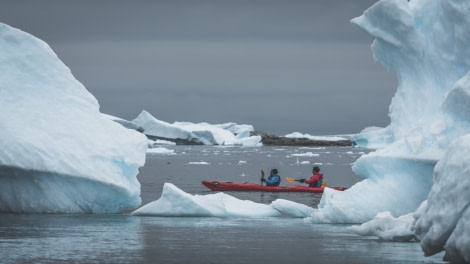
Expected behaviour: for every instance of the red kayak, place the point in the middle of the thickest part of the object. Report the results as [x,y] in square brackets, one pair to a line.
[253,187]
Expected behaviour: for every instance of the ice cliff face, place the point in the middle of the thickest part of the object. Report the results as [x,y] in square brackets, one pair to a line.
[425,43]
[57,152]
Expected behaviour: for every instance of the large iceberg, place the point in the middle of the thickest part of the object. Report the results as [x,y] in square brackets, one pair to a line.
[425,43]
[58,153]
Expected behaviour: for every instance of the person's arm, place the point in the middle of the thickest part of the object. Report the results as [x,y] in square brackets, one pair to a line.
[312,179]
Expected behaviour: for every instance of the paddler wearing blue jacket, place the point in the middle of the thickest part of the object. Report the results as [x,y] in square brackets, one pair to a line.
[273,180]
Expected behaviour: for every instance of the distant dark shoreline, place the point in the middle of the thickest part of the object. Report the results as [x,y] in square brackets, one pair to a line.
[273,140]
[270,140]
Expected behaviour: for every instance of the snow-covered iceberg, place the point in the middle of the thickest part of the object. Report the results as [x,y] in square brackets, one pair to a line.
[58,154]
[124,123]
[311,137]
[425,43]
[229,134]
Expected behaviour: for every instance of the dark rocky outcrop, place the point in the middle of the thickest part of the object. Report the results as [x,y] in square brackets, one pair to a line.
[177,141]
[273,140]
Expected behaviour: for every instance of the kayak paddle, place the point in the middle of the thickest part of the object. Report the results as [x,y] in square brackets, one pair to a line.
[262,177]
[289,179]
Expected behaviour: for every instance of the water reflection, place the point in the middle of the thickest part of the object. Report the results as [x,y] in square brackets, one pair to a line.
[130,239]
[52,238]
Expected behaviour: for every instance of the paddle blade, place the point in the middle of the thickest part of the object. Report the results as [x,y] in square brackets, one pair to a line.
[289,179]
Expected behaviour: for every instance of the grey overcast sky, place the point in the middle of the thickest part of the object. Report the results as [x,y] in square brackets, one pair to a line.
[281,66]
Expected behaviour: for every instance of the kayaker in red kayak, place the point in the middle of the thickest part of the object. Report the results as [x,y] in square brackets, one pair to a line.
[273,180]
[316,180]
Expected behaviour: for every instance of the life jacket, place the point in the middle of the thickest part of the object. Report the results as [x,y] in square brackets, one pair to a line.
[317,183]
[320,181]
[275,183]
[278,182]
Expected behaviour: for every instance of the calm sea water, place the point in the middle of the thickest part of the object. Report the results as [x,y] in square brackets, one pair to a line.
[122,238]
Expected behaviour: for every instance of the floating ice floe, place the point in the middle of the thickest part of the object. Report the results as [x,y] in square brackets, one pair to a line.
[198,163]
[305,154]
[308,136]
[161,151]
[176,203]
[389,228]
